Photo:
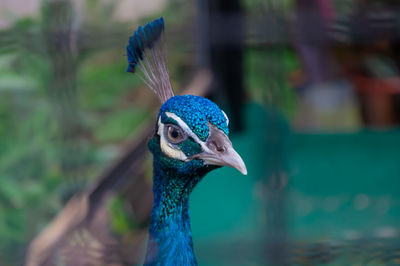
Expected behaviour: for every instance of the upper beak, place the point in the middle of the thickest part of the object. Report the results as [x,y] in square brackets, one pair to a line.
[220,151]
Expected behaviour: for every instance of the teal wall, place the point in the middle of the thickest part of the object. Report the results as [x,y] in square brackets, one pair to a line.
[334,187]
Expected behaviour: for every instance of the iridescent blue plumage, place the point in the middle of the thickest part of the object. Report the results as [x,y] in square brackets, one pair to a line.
[196,112]
[190,139]
[143,38]
[146,52]
[170,238]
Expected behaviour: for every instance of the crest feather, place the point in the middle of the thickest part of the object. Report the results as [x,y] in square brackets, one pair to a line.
[146,52]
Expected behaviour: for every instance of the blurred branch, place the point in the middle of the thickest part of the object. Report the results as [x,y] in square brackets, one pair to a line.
[82,210]
[71,216]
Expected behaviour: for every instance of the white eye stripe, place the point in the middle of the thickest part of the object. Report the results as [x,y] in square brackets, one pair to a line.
[227,119]
[172,150]
[188,131]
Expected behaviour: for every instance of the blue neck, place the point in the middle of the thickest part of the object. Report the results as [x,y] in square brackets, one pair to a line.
[170,237]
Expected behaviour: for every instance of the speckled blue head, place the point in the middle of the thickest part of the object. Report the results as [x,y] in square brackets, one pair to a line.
[199,115]
[196,112]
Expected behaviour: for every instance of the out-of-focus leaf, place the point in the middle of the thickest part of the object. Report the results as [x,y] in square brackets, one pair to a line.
[121,221]
[104,79]
[119,125]
[6,61]
[12,83]
[11,193]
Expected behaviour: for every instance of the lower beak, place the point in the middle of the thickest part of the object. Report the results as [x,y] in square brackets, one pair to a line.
[220,151]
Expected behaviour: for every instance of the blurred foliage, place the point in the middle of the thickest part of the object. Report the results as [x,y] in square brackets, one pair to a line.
[33,185]
[122,220]
[36,161]
[272,5]
[30,169]
[267,77]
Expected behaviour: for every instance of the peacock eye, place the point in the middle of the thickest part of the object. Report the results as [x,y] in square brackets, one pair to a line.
[175,134]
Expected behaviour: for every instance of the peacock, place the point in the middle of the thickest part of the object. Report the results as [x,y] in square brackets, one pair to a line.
[190,139]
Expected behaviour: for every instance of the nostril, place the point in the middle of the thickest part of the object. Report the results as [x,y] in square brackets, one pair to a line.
[221,148]
[218,147]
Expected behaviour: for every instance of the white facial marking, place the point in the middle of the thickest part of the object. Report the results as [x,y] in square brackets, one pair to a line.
[167,147]
[188,131]
[170,149]
[227,119]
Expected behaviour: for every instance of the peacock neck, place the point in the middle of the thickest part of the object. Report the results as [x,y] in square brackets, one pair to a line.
[170,237]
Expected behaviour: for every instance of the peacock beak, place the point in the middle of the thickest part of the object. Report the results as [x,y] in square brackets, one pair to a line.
[220,151]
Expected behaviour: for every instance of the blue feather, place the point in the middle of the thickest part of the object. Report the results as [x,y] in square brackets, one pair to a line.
[152,65]
[170,238]
[143,38]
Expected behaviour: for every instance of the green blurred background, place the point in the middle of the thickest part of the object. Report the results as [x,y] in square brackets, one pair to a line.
[317,127]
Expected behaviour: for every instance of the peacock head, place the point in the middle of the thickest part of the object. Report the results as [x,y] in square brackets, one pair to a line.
[191,132]
[191,137]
